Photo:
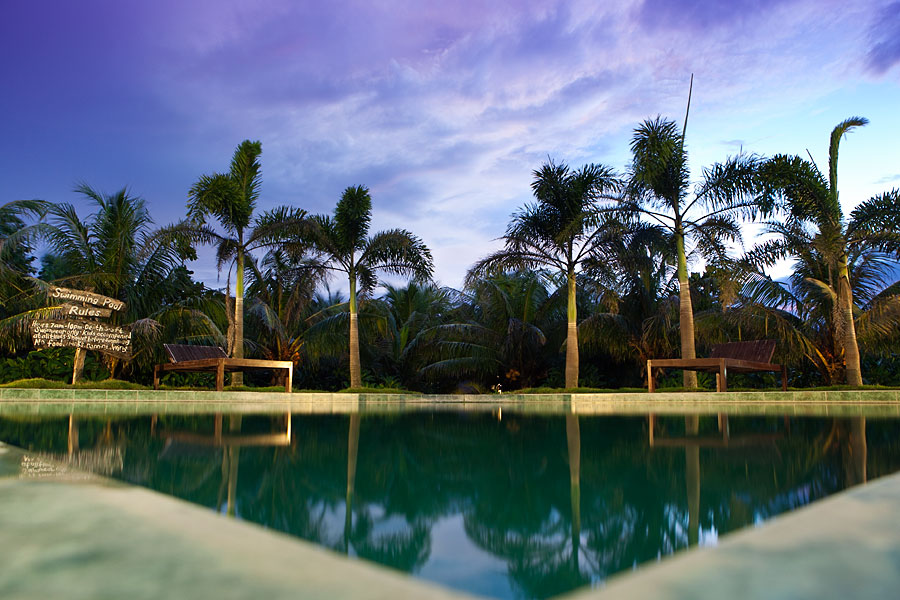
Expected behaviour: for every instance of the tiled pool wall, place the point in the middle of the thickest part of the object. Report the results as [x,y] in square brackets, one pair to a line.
[873,403]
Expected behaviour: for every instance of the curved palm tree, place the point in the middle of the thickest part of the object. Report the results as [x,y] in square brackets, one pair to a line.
[659,190]
[558,232]
[825,244]
[231,199]
[343,244]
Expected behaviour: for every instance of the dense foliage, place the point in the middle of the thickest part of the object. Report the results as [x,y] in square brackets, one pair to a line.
[594,278]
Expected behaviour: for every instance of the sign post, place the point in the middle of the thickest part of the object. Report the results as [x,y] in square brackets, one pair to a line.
[80,330]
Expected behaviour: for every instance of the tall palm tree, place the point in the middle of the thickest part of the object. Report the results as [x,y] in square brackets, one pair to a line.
[231,199]
[344,245]
[558,233]
[659,190]
[816,233]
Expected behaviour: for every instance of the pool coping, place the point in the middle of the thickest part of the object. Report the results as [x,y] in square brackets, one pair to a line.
[875,403]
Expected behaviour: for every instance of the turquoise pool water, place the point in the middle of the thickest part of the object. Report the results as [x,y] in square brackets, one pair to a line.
[495,503]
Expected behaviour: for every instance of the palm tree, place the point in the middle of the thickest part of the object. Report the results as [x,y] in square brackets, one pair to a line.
[825,244]
[115,253]
[231,198]
[659,190]
[558,233]
[496,334]
[15,244]
[343,244]
[283,290]
[638,297]
[408,311]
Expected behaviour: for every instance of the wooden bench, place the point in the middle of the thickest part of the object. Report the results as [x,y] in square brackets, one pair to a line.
[738,357]
[212,359]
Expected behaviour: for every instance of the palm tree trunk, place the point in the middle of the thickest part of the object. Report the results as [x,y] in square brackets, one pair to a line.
[355,371]
[685,311]
[237,378]
[572,336]
[851,347]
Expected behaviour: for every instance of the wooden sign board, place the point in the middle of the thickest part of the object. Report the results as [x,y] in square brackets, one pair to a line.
[90,335]
[59,293]
[75,310]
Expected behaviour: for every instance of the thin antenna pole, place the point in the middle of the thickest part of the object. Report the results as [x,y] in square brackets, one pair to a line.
[688,111]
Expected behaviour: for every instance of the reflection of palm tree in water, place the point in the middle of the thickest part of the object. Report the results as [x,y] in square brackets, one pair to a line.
[692,479]
[404,550]
[573,441]
[230,458]
[543,554]
[352,450]
[848,436]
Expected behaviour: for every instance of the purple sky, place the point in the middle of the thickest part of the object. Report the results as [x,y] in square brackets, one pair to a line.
[442,108]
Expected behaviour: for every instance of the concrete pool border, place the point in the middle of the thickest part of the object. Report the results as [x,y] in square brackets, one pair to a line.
[874,403]
[845,545]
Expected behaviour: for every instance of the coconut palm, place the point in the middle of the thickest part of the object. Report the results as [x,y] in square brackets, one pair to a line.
[115,252]
[816,233]
[702,220]
[638,298]
[282,288]
[15,244]
[409,311]
[557,233]
[496,334]
[231,199]
[343,244]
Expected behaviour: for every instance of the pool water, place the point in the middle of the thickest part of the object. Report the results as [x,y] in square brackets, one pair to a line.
[498,504]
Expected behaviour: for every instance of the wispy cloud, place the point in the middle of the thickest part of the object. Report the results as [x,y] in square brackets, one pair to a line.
[884,39]
[895,178]
[442,108]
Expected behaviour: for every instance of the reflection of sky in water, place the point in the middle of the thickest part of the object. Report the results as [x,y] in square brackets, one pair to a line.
[455,558]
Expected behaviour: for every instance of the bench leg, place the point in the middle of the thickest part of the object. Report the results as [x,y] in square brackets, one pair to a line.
[220,375]
[155,377]
[651,385]
[289,380]
[783,378]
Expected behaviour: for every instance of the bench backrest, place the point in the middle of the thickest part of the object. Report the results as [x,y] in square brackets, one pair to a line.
[182,352]
[757,351]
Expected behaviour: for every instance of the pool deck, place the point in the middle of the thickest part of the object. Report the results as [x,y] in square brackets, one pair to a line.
[75,535]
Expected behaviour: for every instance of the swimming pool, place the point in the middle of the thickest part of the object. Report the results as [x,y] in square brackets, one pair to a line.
[496,502]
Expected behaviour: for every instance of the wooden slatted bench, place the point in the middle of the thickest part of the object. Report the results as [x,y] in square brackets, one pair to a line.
[212,359]
[737,357]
